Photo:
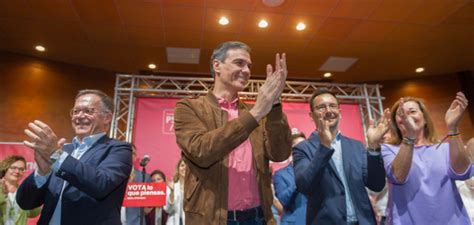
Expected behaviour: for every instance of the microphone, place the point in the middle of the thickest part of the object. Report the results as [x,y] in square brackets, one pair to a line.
[145,160]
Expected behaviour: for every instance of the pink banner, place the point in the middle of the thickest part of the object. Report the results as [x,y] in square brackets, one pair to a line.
[153,132]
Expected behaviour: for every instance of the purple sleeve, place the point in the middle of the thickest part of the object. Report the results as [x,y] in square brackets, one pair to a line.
[389,152]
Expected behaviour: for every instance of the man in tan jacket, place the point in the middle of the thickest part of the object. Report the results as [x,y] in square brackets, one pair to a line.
[227,144]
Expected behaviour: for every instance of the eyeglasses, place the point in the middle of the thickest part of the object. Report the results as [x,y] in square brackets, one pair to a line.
[86,111]
[20,169]
[322,107]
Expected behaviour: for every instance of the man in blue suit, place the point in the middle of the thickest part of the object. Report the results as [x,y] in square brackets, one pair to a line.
[83,182]
[333,170]
[294,203]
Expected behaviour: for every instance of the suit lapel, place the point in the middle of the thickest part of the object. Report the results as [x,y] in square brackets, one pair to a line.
[347,158]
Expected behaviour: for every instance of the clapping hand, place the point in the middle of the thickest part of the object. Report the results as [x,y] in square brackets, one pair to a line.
[45,142]
[455,112]
[269,93]
[406,123]
[375,133]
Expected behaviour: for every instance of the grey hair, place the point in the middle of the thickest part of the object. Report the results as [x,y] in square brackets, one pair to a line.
[107,102]
[220,53]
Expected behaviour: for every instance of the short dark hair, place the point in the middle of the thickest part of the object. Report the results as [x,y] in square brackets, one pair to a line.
[220,53]
[159,172]
[107,102]
[318,92]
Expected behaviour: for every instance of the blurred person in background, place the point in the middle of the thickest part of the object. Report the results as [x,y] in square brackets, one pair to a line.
[156,215]
[131,215]
[466,188]
[293,202]
[11,173]
[175,196]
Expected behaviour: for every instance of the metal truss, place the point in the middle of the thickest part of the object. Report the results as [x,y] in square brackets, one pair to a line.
[128,87]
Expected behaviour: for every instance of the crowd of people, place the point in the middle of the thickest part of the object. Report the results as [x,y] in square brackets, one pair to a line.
[224,175]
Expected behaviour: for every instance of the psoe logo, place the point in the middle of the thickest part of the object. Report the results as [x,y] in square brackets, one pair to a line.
[168,121]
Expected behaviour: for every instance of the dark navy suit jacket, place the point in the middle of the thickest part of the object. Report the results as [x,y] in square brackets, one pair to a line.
[294,203]
[316,176]
[96,188]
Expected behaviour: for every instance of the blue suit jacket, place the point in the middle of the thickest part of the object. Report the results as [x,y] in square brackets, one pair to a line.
[294,203]
[316,176]
[97,183]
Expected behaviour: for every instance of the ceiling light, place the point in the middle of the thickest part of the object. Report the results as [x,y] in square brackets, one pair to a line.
[327,75]
[300,26]
[40,48]
[223,21]
[263,24]
[152,66]
[420,69]
[273,3]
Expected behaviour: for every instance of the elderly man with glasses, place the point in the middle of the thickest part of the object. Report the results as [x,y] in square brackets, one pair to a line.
[83,182]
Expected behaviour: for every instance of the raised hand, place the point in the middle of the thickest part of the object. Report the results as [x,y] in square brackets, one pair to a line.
[42,138]
[325,134]
[269,93]
[455,112]
[375,133]
[405,123]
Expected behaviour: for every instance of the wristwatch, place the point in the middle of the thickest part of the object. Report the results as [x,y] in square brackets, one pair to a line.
[55,156]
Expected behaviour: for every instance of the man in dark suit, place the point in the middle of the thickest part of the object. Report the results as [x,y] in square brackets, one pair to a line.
[333,170]
[83,182]
[294,202]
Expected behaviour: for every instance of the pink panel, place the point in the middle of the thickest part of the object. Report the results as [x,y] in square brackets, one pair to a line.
[154,135]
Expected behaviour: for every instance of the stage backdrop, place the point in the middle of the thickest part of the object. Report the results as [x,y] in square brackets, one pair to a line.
[153,132]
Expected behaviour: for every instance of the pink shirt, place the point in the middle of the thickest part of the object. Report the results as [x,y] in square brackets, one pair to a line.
[242,187]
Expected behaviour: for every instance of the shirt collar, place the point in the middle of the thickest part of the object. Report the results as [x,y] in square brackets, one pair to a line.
[228,105]
[88,141]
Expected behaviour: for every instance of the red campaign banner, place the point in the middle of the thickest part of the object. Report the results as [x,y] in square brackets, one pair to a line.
[153,131]
[139,194]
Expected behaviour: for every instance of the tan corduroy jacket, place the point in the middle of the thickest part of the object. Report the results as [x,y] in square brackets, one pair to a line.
[206,139]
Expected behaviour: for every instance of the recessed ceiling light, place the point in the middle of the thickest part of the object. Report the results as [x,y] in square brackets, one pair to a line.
[300,26]
[327,75]
[223,21]
[40,48]
[263,24]
[152,66]
[420,69]
[273,3]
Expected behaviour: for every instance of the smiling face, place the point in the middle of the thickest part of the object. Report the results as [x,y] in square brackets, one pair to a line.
[89,117]
[234,72]
[326,107]
[182,169]
[15,172]
[412,109]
